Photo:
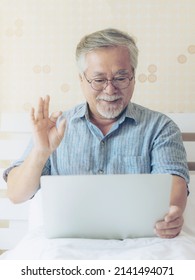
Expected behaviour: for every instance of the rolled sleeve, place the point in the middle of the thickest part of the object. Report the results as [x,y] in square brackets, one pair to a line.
[168,153]
[46,170]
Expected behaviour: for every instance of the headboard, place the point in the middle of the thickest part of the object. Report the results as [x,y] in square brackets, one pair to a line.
[189,140]
[13,139]
[186,123]
[14,136]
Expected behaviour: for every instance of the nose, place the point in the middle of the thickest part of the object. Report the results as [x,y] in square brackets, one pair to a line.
[110,88]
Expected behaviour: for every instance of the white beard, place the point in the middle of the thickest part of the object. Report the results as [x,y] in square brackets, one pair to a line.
[109,110]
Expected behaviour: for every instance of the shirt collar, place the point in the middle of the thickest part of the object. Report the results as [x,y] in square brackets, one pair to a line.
[81,112]
[130,112]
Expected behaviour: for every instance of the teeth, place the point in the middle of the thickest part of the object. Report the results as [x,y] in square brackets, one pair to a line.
[108,99]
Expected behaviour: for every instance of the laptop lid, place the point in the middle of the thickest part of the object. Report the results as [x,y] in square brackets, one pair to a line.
[104,206]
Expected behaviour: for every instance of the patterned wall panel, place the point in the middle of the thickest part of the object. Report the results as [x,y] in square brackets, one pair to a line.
[38,40]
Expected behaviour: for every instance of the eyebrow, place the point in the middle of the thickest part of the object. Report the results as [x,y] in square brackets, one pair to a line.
[119,72]
[122,72]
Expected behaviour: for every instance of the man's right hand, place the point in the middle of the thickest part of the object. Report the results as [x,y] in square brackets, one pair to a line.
[47,136]
[23,180]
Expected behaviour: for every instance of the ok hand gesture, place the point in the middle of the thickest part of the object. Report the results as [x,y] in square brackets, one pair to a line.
[47,136]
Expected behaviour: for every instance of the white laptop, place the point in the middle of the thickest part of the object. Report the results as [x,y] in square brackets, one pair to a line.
[104,206]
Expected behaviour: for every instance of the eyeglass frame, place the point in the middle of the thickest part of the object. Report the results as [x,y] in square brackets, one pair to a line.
[106,81]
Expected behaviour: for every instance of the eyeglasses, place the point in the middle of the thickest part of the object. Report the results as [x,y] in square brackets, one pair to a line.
[120,82]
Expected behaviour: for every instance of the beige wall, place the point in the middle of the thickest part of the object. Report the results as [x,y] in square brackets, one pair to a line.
[38,39]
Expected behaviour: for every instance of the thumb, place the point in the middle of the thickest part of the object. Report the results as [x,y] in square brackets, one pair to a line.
[174,213]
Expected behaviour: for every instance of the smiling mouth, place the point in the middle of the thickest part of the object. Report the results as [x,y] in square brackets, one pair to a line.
[109,100]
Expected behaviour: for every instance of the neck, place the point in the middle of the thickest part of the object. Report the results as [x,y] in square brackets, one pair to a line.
[102,123]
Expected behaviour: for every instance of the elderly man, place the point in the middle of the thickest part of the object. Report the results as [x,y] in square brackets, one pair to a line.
[106,135]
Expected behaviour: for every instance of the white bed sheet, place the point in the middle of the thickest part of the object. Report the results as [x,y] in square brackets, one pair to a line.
[34,246]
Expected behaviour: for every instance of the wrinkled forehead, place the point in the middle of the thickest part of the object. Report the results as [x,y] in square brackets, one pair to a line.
[112,59]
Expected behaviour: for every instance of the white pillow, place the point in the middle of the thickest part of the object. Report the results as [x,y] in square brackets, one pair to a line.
[35,218]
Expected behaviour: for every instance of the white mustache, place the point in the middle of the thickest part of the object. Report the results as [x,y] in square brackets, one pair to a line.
[108,98]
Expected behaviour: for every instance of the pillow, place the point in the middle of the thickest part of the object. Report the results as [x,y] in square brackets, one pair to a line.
[35,217]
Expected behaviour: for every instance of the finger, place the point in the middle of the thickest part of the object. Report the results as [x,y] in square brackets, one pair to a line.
[46,106]
[61,128]
[168,233]
[32,114]
[54,116]
[174,224]
[161,225]
[39,114]
[168,236]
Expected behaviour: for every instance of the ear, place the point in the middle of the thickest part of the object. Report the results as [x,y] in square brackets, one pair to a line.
[81,80]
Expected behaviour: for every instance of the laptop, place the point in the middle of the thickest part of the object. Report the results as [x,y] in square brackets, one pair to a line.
[104,206]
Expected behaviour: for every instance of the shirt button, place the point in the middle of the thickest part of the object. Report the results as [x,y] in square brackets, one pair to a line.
[101,171]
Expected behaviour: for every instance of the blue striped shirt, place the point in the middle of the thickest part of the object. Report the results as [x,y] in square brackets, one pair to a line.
[140,141]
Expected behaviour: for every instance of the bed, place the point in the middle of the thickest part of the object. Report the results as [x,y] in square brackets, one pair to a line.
[35,246]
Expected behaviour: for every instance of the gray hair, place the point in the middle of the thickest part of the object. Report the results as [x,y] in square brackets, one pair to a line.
[104,39]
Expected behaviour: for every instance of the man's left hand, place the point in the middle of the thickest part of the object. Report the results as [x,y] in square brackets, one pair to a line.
[171,225]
